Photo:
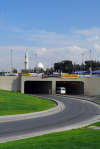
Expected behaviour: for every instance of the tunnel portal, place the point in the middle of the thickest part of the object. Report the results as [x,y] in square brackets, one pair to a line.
[38,87]
[72,87]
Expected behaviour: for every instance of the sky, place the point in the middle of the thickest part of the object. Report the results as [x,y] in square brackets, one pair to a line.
[55,30]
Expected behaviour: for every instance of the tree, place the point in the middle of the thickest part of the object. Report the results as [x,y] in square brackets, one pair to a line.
[64,66]
[94,65]
[77,67]
[67,66]
[14,70]
[58,66]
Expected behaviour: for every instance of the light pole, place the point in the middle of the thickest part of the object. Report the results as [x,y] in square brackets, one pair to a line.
[90,63]
[19,67]
[7,68]
[51,67]
[36,61]
[47,69]
[11,60]
[75,67]
[61,67]
[82,63]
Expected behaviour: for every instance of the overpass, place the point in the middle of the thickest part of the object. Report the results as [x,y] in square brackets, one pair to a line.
[35,85]
[38,85]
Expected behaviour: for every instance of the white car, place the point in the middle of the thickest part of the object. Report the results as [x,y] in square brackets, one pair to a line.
[60,90]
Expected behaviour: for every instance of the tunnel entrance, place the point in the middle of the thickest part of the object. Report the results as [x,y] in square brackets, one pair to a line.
[72,87]
[38,87]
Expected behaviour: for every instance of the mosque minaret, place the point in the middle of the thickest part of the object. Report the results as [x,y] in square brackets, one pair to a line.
[26,60]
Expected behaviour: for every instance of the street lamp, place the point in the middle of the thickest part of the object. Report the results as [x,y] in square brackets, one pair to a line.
[90,63]
[36,61]
[82,63]
[61,66]
[75,67]
[51,67]
[47,69]
[7,68]
[19,67]
[11,61]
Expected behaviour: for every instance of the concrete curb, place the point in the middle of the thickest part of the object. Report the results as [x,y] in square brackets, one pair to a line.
[49,131]
[43,113]
[83,98]
[60,107]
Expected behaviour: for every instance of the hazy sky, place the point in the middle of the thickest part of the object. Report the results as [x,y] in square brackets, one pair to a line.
[55,30]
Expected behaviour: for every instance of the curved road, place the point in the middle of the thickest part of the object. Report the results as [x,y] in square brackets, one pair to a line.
[77,113]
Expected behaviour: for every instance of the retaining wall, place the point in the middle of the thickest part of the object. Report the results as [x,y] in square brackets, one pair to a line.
[11,83]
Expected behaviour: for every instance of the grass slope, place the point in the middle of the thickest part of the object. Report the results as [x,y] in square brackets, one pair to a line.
[16,103]
[82,138]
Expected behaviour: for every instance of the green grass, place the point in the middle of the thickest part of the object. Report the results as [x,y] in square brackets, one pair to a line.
[94,124]
[82,138]
[16,103]
[97,99]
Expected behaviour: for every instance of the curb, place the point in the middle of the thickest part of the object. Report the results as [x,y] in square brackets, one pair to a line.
[83,98]
[60,107]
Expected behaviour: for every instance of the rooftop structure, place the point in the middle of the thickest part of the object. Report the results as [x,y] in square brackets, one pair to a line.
[40,66]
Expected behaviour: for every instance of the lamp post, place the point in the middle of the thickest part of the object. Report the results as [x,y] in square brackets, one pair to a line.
[82,63]
[7,68]
[75,67]
[51,67]
[61,66]
[90,63]
[19,67]
[36,61]
[47,69]
[11,61]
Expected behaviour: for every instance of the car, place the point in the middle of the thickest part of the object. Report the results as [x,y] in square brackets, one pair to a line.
[60,90]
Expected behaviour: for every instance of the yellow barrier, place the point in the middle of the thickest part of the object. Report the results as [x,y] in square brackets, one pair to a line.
[26,74]
[64,76]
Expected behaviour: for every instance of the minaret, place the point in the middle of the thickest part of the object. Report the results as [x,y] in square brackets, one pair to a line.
[26,60]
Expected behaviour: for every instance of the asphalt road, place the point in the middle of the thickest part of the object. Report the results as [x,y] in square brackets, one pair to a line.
[77,113]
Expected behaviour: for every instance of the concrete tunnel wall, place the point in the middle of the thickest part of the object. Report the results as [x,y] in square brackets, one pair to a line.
[75,88]
[10,83]
[16,83]
[91,85]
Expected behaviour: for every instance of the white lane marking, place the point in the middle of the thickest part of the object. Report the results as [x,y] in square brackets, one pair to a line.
[69,102]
